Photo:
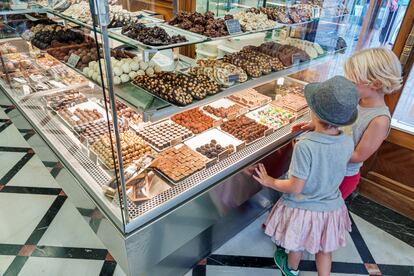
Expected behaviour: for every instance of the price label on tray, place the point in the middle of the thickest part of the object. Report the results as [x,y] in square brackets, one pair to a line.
[233,26]
[234,78]
[26,90]
[73,60]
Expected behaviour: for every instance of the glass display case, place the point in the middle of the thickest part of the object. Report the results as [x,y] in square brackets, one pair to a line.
[161,121]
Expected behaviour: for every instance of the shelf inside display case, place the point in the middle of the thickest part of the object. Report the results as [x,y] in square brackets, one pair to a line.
[153,113]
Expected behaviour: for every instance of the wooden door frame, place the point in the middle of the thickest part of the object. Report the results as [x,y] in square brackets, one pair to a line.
[403,34]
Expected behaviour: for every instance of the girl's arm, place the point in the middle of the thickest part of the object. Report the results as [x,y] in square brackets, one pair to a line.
[292,185]
[372,139]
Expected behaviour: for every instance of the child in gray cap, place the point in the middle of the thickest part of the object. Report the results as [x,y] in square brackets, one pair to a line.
[311,214]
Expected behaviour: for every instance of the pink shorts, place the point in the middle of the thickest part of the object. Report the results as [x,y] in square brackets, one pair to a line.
[349,185]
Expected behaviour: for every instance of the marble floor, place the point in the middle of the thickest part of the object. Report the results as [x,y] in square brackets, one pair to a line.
[41,232]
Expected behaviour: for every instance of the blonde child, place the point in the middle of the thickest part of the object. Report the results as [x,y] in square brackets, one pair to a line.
[311,215]
[376,72]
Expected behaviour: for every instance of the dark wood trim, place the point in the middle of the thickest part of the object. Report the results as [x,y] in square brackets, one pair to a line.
[401,138]
[389,193]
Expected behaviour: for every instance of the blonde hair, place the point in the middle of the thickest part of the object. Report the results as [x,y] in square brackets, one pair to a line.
[373,64]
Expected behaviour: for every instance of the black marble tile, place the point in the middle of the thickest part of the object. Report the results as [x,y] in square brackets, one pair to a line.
[7,108]
[360,244]
[108,268]
[199,270]
[9,249]
[4,124]
[27,133]
[70,252]
[386,219]
[47,219]
[16,168]
[56,169]
[14,149]
[241,261]
[31,190]
[398,270]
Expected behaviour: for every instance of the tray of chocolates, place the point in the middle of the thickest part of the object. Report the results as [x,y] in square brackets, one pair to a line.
[179,162]
[195,120]
[157,35]
[133,147]
[271,116]
[177,88]
[207,24]
[215,144]
[64,100]
[82,114]
[225,109]
[245,129]
[164,134]
[294,102]
[254,62]
[250,98]
[91,132]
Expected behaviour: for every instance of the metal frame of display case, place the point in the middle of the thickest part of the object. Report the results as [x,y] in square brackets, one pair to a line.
[154,236]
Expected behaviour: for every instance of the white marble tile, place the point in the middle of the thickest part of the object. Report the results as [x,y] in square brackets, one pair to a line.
[3,115]
[118,271]
[189,273]
[385,248]
[11,137]
[60,267]
[240,271]
[5,261]
[251,241]
[69,229]
[20,214]
[8,160]
[348,254]
[34,174]
[41,149]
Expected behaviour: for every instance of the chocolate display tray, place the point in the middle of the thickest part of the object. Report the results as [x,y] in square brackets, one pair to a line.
[174,104]
[192,38]
[225,103]
[256,111]
[172,143]
[168,179]
[221,137]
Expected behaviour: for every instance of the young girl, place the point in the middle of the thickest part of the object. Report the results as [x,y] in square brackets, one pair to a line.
[311,214]
[376,72]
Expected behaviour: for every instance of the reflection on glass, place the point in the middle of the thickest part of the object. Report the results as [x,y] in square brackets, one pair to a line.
[403,117]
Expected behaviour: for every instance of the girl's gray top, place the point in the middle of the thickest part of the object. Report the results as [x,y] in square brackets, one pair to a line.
[365,116]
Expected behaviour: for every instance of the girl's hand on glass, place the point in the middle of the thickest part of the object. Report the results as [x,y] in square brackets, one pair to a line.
[262,176]
[304,126]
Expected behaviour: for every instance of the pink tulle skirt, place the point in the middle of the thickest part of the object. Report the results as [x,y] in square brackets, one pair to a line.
[299,229]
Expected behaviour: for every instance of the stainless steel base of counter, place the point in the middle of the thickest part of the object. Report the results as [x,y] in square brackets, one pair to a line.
[175,242]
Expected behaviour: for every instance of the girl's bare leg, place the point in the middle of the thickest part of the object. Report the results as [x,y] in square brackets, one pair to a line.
[294,259]
[324,263]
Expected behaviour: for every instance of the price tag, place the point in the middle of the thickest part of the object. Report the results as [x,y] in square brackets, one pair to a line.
[234,78]
[19,80]
[176,141]
[233,26]
[148,54]
[75,118]
[57,84]
[26,90]
[73,60]
[296,59]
